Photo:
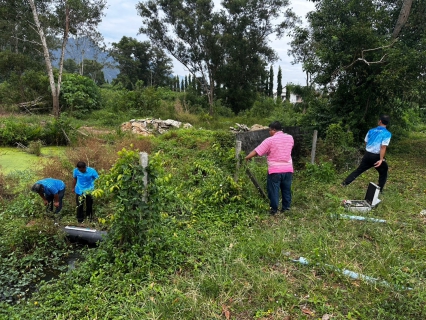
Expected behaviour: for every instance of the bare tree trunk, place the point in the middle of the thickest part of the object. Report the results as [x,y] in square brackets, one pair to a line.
[54,91]
[82,63]
[54,88]
[403,17]
[211,96]
[61,62]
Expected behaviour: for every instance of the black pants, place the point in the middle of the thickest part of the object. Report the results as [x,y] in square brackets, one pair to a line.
[50,200]
[368,162]
[81,200]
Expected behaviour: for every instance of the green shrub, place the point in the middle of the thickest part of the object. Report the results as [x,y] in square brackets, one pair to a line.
[133,215]
[337,137]
[115,99]
[79,95]
[323,172]
[285,113]
[34,147]
[263,107]
[59,131]
[339,147]
[13,130]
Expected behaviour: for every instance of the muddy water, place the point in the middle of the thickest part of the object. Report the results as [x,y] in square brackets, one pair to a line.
[12,159]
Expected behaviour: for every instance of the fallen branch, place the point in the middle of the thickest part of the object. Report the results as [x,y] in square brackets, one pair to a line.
[363,59]
[66,136]
[21,146]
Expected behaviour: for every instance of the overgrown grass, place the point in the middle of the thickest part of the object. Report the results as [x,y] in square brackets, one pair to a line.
[218,255]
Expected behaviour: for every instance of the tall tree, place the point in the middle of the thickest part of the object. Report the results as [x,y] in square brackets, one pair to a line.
[303,51]
[271,82]
[17,34]
[140,61]
[279,83]
[71,66]
[219,47]
[177,89]
[60,18]
[369,58]
[266,88]
[93,70]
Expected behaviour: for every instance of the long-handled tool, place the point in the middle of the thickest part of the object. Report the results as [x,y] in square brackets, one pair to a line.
[256,183]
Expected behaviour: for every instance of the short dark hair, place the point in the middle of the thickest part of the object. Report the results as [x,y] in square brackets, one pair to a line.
[37,187]
[276,125]
[81,165]
[385,119]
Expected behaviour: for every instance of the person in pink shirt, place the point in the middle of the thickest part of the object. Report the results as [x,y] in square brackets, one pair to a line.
[277,149]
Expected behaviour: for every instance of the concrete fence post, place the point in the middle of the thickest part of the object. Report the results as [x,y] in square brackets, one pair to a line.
[143,159]
[237,157]
[314,146]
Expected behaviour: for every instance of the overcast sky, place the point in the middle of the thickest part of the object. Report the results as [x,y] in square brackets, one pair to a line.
[122,20]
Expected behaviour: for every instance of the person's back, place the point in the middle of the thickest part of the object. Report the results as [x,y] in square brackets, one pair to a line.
[278,151]
[85,180]
[51,186]
[277,148]
[377,137]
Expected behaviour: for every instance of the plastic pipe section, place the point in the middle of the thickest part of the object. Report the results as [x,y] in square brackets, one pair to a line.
[354,275]
[360,218]
[84,234]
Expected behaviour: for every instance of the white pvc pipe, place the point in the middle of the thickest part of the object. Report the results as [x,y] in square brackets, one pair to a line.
[360,218]
[353,275]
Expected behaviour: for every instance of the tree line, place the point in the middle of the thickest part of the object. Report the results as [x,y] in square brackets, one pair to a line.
[361,58]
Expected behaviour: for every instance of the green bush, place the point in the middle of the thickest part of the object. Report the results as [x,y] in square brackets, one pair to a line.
[339,147]
[35,147]
[58,131]
[115,99]
[79,95]
[286,113]
[263,107]
[29,86]
[13,130]
[323,172]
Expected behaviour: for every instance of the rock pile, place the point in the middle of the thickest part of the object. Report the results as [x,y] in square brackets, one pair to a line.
[244,128]
[147,127]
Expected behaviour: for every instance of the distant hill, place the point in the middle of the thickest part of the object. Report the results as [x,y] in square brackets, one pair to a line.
[83,48]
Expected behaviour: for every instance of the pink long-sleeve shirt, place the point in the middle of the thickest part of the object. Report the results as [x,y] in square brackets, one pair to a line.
[278,152]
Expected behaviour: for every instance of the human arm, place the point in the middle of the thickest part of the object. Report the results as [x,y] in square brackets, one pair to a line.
[56,200]
[382,156]
[251,155]
[74,183]
[41,194]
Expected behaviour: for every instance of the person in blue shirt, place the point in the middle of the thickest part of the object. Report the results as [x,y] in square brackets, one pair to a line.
[83,184]
[376,142]
[52,192]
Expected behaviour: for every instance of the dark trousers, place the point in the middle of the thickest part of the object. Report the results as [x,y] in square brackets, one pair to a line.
[50,201]
[81,200]
[276,182]
[368,162]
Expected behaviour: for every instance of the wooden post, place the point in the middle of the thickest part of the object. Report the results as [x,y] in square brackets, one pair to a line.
[314,146]
[237,157]
[143,157]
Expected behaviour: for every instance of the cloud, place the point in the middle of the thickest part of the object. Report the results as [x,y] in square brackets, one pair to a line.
[122,19]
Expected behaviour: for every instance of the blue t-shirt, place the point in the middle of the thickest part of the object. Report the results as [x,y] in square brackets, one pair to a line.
[376,138]
[85,181]
[51,186]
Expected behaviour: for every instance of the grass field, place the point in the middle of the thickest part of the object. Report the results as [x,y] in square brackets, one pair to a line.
[222,268]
